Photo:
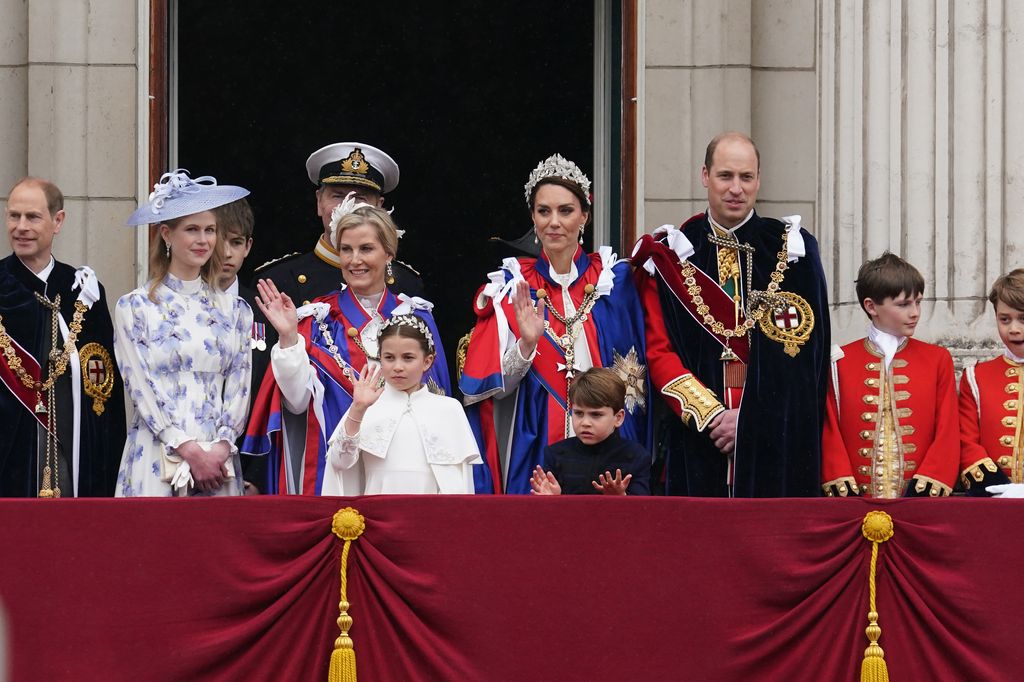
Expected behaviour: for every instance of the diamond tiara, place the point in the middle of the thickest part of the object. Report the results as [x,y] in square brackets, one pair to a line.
[557,166]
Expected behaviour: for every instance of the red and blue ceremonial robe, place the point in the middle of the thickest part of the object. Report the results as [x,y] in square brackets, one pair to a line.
[513,427]
[332,392]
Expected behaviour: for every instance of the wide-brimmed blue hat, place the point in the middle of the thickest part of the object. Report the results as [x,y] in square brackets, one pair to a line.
[178,195]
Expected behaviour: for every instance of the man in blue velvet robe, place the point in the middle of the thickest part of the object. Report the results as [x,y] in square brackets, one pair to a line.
[63,433]
[737,339]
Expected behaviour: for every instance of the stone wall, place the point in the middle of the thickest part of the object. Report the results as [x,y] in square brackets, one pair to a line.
[885,125]
[68,112]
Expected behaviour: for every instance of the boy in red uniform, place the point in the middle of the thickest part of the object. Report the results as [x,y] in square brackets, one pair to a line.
[991,402]
[891,415]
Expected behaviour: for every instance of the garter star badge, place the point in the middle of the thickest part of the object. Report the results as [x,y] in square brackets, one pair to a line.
[97,374]
[790,323]
[634,374]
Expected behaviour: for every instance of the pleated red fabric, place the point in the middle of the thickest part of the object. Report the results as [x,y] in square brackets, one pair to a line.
[509,588]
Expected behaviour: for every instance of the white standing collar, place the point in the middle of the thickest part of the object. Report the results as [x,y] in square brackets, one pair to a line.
[730,230]
[886,342]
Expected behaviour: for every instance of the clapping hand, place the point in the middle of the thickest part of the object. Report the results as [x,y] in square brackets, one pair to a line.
[544,483]
[612,486]
[279,311]
[529,318]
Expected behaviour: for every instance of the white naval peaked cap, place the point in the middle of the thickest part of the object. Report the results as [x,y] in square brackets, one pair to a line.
[352,163]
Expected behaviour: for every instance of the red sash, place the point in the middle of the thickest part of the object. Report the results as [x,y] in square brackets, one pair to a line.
[720,304]
[25,395]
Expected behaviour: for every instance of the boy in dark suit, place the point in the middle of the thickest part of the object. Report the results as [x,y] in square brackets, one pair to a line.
[582,465]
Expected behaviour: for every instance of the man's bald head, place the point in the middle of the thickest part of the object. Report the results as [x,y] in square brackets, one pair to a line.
[709,155]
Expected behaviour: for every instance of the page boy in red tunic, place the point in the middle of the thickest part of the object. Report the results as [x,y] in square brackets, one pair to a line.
[991,402]
[891,425]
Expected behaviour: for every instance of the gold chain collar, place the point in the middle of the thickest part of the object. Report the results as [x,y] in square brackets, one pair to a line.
[59,361]
[758,303]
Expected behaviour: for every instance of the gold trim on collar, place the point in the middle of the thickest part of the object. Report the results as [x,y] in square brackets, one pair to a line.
[324,252]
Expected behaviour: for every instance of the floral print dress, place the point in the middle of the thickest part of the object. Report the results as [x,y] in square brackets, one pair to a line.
[186,366]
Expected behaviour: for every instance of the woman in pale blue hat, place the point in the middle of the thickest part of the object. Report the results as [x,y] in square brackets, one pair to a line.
[182,346]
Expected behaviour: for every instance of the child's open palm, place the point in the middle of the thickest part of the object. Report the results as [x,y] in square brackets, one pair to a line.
[367,388]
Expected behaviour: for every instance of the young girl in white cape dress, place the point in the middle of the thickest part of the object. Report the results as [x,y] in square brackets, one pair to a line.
[406,439]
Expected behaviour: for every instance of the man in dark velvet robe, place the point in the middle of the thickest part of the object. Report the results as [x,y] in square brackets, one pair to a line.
[82,456]
[737,339]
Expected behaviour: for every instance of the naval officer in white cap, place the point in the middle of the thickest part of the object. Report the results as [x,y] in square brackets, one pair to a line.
[337,170]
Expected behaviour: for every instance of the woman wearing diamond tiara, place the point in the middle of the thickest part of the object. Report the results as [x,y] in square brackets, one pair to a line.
[407,439]
[542,321]
[182,346]
[321,350]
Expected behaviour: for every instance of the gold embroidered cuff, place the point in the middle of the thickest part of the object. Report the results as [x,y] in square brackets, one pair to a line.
[974,472]
[938,489]
[696,400]
[841,487]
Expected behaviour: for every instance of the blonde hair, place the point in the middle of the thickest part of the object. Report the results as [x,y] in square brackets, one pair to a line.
[160,261]
[378,219]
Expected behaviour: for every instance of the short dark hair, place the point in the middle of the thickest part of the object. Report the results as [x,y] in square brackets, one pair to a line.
[598,387]
[709,153]
[235,217]
[1009,289]
[887,276]
[54,197]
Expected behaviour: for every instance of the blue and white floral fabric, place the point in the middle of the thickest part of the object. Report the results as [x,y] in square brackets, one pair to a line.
[186,365]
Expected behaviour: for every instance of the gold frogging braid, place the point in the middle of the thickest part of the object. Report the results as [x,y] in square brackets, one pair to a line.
[876,528]
[348,524]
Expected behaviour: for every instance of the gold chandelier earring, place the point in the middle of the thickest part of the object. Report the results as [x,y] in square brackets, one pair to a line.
[167,249]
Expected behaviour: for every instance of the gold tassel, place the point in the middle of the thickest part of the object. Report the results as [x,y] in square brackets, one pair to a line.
[877,527]
[348,524]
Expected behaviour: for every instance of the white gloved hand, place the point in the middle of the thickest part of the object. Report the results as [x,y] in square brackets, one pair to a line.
[1007,490]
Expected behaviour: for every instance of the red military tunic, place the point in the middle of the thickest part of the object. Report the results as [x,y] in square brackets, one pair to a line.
[925,447]
[991,405]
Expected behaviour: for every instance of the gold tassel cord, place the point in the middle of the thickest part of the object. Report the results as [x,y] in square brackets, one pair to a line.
[876,528]
[348,524]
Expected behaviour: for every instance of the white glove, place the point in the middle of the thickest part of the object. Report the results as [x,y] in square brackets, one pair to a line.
[1007,490]
[182,479]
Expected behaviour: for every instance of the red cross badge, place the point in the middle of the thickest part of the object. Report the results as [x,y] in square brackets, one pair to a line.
[97,374]
[787,318]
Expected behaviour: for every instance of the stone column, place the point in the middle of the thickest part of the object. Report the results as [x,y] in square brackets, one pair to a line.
[696,62]
[68,77]
[13,97]
[915,157]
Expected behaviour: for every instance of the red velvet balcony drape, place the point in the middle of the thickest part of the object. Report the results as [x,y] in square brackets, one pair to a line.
[448,588]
